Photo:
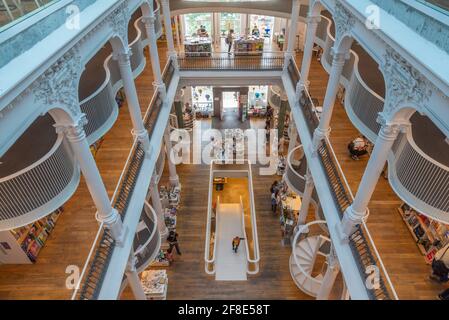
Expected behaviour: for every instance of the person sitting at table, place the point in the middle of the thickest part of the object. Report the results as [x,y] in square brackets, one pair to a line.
[255,31]
[358,147]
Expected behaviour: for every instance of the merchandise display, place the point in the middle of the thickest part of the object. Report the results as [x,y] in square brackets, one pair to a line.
[155,284]
[430,235]
[198,47]
[249,45]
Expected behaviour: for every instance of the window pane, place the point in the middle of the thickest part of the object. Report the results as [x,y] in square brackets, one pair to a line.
[193,21]
[230,21]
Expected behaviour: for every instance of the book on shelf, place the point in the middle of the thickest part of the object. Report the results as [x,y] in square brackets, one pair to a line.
[32,238]
[430,235]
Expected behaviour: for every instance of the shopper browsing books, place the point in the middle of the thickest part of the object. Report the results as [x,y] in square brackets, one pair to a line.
[229,40]
[440,265]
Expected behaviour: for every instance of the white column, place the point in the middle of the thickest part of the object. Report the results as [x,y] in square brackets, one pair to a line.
[293,135]
[133,279]
[355,213]
[157,206]
[174,178]
[338,62]
[293,29]
[329,277]
[306,199]
[149,23]
[132,99]
[168,30]
[312,24]
[81,150]
[178,38]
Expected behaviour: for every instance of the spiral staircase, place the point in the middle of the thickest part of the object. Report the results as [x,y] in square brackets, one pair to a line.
[313,265]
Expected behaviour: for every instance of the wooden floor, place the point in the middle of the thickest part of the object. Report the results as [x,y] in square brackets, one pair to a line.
[72,238]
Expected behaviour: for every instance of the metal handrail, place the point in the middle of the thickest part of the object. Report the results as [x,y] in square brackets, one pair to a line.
[208,260]
[224,61]
[255,235]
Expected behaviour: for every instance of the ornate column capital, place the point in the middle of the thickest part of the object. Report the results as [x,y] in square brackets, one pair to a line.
[123,58]
[404,84]
[58,86]
[344,21]
[73,131]
[339,58]
[389,130]
[149,21]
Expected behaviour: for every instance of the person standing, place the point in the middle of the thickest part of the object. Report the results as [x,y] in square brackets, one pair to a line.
[440,265]
[274,203]
[236,243]
[229,40]
[173,242]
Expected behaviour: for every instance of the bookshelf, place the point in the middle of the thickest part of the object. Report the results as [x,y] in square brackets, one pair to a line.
[22,245]
[429,235]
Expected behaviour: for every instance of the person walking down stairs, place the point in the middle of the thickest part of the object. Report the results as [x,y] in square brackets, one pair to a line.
[236,243]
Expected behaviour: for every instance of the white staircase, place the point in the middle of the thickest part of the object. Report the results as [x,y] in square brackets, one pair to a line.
[304,268]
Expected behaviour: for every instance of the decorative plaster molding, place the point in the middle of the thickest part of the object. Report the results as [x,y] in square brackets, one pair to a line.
[404,83]
[344,21]
[59,84]
[118,20]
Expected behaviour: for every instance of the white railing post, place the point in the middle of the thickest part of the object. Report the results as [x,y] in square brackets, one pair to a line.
[168,32]
[333,268]
[323,129]
[174,178]
[106,214]
[139,131]
[149,23]
[306,199]
[312,24]
[133,278]
[158,208]
[289,54]
[355,213]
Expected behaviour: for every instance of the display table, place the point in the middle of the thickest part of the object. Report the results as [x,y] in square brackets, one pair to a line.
[249,46]
[155,284]
[198,47]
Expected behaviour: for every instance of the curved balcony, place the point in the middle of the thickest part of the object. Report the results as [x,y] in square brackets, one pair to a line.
[424,187]
[46,175]
[34,191]
[417,174]
[100,106]
[295,178]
